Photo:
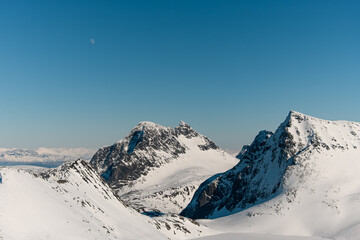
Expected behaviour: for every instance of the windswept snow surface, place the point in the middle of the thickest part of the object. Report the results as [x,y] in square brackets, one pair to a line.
[71,202]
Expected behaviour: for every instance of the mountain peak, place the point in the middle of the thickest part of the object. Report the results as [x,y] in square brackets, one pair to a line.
[148,124]
[184,124]
[145,127]
[294,115]
[186,130]
[295,118]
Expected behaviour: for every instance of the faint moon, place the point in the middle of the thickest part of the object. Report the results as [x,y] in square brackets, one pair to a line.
[92,41]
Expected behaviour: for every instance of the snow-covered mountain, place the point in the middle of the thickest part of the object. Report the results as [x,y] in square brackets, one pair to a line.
[301,180]
[157,168]
[44,154]
[71,202]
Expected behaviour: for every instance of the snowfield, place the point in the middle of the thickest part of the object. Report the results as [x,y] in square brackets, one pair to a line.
[253,236]
[72,203]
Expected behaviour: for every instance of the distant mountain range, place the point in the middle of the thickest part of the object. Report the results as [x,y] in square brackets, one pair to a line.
[44,154]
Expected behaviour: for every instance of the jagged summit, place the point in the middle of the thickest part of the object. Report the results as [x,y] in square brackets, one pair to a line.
[186,130]
[294,116]
[151,130]
[155,156]
[184,124]
[145,127]
[294,113]
[148,125]
[296,157]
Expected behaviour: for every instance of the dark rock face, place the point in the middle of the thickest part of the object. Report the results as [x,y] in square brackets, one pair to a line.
[135,140]
[147,146]
[256,178]
[185,130]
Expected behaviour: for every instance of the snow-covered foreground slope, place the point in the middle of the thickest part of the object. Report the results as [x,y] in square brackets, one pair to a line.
[158,169]
[71,202]
[302,180]
[255,236]
[44,154]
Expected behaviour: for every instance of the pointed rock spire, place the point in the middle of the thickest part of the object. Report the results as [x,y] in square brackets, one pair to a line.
[184,124]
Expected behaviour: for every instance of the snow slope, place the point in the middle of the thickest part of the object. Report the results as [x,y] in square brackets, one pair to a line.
[255,236]
[71,202]
[157,168]
[302,180]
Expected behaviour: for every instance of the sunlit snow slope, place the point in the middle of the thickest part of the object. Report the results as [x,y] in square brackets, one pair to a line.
[255,236]
[71,202]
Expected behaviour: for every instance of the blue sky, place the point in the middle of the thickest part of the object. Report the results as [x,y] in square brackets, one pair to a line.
[228,68]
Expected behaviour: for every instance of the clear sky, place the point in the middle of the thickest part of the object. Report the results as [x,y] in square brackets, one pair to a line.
[83,73]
